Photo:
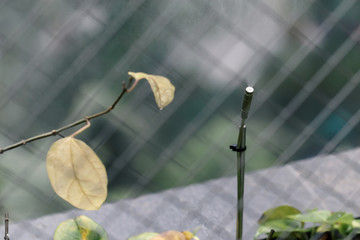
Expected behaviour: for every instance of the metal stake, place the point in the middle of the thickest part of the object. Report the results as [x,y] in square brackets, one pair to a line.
[240,148]
[6,227]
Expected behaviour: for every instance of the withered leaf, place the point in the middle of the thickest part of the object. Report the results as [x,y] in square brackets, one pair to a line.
[77,174]
[161,86]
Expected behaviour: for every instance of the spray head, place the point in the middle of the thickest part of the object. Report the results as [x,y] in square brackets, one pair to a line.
[247,102]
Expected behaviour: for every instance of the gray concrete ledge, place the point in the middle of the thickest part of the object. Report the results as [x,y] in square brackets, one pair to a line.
[325,182]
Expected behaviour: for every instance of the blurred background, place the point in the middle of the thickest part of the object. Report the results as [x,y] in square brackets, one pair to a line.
[62,60]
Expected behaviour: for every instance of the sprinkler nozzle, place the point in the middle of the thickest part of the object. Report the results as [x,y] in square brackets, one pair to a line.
[247,102]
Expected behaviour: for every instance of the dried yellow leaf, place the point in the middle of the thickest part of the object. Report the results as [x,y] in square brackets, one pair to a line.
[170,235]
[161,86]
[188,235]
[77,174]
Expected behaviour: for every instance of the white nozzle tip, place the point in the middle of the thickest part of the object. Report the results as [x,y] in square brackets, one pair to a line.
[249,89]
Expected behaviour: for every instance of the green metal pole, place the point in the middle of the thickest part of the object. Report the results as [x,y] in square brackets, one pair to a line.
[240,149]
[240,180]
[6,227]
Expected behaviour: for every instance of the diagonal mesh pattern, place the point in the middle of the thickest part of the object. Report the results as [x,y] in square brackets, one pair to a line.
[63,60]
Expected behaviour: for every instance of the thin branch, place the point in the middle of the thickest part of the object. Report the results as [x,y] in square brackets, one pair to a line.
[86,119]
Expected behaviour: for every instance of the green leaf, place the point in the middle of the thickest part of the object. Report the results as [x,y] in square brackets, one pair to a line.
[355,223]
[291,226]
[279,225]
[278,213]
[341,217]
[342,221]
[144,236]
[315,216]
[80,228]
[352,234]
[324,227]
[344,229]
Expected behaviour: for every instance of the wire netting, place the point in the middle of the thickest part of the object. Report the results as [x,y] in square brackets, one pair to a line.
[63,60]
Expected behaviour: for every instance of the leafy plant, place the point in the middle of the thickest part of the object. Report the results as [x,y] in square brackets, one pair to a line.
[75,171]
[78,175]
[286,222]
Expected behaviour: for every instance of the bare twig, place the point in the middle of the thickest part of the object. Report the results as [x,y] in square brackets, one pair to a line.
[86,119]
